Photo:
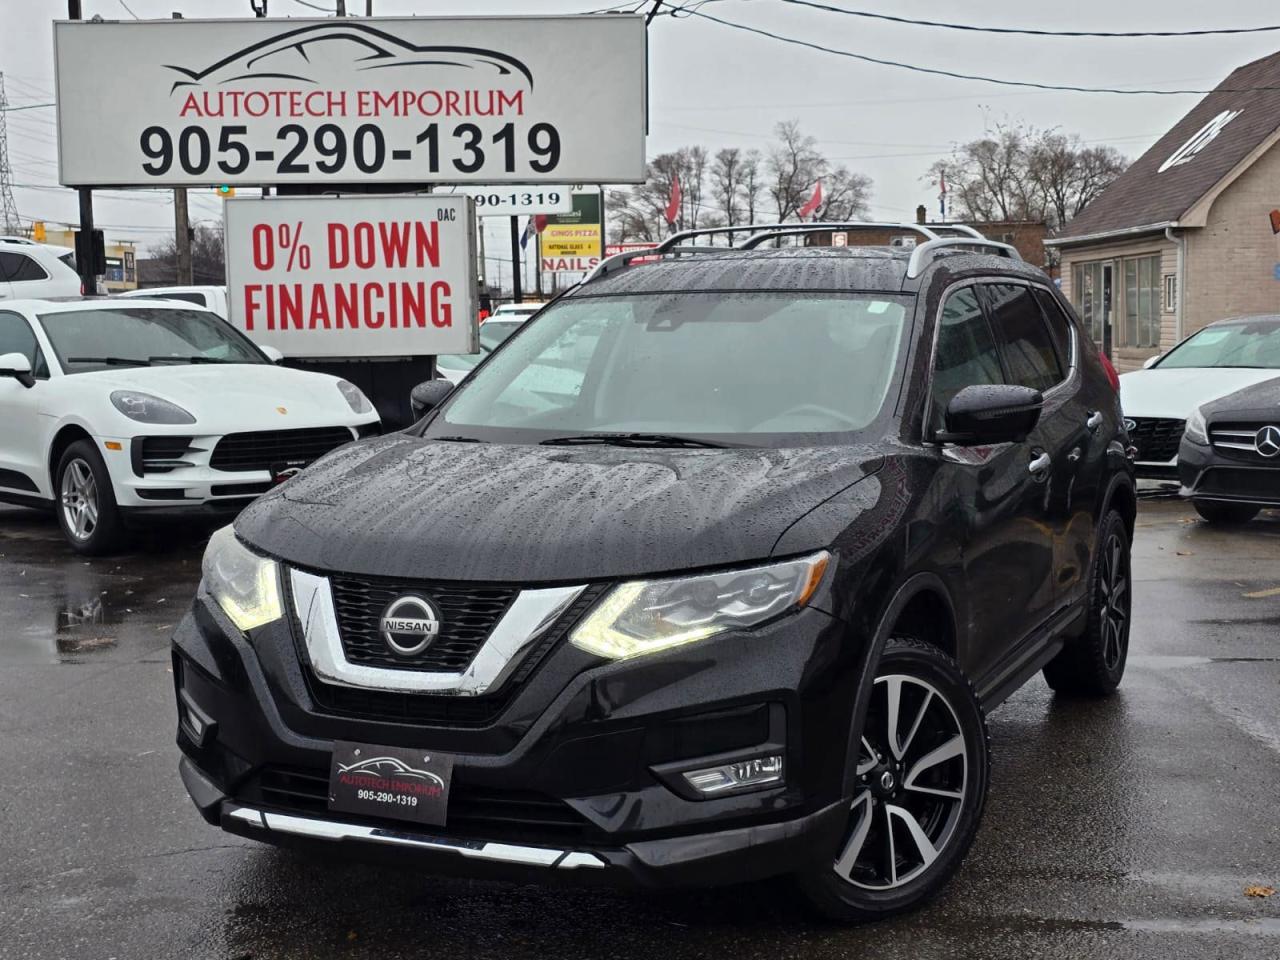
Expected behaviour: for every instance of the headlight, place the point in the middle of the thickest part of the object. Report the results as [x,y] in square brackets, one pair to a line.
[1197,431]
[646,616]
[355,397]
[245,585]
[145,408]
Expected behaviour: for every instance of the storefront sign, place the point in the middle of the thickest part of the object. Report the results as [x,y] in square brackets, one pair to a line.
[370,276]
[413,100]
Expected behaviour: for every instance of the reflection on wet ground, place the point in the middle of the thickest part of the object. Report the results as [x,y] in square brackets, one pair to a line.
[1124,828]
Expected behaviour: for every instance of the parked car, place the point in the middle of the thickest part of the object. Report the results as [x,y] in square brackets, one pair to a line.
[119,412]
[1229,460]
[521,310]
[1219,359]
[36,270]
[455,367]
[733,604]
[211,298]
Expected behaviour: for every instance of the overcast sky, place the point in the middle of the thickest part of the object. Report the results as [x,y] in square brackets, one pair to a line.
[712,85]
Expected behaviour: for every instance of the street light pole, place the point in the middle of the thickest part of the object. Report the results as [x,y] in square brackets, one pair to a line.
[85,262]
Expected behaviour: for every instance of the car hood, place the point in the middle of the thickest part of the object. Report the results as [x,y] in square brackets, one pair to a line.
[233,397]
[410,508]
[1175,393]
[1261,401]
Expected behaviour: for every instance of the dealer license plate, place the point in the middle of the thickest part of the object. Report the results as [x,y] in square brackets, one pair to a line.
[407,784]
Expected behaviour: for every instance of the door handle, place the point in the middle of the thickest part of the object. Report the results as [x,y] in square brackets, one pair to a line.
[1095,420]
[1040,464]
[1074,455]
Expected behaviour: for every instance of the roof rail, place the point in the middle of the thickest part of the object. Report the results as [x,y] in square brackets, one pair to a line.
[925,254]
[758,233]
[770,231]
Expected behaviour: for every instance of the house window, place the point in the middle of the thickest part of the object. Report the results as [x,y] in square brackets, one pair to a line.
[1087,295]
[1141,302]
[1170,293]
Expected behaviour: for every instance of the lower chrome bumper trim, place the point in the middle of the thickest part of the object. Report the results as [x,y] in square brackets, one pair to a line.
[475,849]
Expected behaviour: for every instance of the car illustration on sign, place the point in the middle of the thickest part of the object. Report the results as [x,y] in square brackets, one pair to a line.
[389,768]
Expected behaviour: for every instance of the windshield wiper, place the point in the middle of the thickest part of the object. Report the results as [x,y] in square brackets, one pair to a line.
[459,439]
[111,361]
[631,440]
[187,360]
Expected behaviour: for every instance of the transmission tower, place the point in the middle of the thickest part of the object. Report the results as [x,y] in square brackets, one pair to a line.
[8,208]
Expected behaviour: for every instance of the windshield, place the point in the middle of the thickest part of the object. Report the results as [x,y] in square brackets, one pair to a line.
[1253,343]
[492,333]
[88,340]
[751,369]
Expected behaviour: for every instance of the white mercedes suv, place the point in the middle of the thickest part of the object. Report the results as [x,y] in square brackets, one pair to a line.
[115,412]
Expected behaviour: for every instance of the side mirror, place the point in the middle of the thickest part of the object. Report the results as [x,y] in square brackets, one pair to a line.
[1150,362]
[428,395]
[16,365]
[991,414]
[273,354]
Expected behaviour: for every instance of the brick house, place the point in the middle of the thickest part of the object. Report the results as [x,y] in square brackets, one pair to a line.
[1187,235]
[1027,236]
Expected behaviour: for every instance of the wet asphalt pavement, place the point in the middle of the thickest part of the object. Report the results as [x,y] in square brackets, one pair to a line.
[1125,828]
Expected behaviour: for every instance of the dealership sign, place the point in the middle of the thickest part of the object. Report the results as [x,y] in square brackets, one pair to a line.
[519,201]
[372,276]
[267,101]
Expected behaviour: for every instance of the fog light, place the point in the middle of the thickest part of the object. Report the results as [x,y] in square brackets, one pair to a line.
[197,723]
[759,772]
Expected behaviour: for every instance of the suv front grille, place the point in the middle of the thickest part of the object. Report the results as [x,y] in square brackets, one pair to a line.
[267,448]
[473,810]
[435,709]
[1237,440]
[468,614]
[1157,439]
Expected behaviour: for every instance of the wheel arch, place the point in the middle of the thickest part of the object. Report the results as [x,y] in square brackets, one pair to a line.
[1121,495]
[67,434]
[922,594]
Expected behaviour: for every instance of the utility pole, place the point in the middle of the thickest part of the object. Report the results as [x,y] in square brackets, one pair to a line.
[368,8]
[342,8]
[8,206]
[182,236]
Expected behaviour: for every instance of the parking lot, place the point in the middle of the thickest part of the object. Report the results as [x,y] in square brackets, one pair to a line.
[1130,827]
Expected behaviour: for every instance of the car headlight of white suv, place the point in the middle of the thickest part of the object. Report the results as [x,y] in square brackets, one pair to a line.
[245,585]
[355,397]
[146,408]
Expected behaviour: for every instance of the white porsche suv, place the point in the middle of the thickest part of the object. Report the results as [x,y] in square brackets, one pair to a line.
[115,412]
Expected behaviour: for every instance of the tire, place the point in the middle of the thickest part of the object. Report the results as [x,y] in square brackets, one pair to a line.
[86,501]
[943,749]
[1092,664]
[1215,512]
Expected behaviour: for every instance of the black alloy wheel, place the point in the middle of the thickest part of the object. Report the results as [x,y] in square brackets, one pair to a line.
[921,782]
[1092,664]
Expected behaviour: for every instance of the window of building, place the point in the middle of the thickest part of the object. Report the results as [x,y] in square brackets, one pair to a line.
[1087,291]
[1170,293]
[1141,302]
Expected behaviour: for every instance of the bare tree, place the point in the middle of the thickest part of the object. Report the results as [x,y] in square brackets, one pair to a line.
[752,184]
[1022,173]
[640,213]
[794,165]
[726,184]
[208,265]
[844,195]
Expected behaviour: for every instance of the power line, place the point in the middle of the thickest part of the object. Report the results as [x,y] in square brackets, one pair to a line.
[689,11]
[26,106]
[128,11]
[1031,31]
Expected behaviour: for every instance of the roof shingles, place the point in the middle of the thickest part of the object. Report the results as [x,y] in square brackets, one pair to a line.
[1145,196]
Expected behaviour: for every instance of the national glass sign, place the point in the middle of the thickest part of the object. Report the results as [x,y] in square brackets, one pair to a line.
[523,100]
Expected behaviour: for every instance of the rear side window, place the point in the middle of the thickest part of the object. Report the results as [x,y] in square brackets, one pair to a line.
[966,353]
[17,268]
[1060,324]
[1029,352]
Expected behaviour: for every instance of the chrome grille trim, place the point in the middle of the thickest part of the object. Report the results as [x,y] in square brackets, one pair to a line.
[530,615]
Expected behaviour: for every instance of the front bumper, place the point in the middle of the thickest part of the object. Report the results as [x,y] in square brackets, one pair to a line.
[577,773]
[1205,474]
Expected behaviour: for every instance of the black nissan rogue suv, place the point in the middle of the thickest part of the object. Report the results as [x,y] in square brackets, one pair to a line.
[709,573]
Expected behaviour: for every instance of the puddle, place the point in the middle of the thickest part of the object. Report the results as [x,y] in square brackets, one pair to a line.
[1263,926]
